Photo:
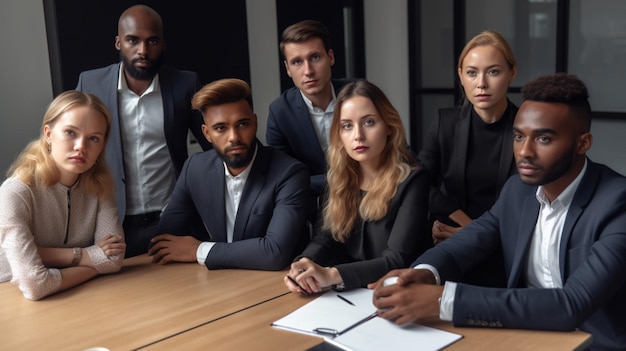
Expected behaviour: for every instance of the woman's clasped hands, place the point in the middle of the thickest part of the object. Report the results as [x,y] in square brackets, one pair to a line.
[307,277]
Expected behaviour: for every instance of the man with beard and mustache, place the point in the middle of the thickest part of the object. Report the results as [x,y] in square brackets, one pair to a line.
[560,225]
[240,205]
[151,117]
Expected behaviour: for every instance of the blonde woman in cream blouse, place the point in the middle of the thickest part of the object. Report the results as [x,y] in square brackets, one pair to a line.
[58,220]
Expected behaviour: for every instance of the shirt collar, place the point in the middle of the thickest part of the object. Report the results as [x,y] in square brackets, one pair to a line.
[122,86]
[243,175]
[566,196]
[313,109]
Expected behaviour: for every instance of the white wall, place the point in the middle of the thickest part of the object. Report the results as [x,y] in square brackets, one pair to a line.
[609,144]
[264,58]
[387,52]
[25,83]
[26,88]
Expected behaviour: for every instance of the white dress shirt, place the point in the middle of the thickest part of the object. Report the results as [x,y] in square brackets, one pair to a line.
[321,119]
[234,189]
[150,175]
[542,265]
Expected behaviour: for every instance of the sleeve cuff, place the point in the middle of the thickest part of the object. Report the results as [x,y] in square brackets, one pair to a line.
[203,251]
[430,268]
[446,308]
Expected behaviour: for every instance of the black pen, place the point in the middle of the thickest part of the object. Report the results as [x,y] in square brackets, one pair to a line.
[335,332]
[346,300]
[371,316]
[298,285]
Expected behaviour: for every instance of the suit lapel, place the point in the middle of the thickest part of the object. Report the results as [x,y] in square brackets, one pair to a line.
[461,144]
[114,148]
[528,219]
[167,95]
[506,154]
[581,199]
[303,118]
[216,185]
[252,189]
[114,145]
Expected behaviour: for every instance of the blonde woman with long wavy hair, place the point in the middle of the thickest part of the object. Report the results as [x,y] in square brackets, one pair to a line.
[376,208]
[58,220]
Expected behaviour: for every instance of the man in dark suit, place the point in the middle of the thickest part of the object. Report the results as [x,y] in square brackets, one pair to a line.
[250,198]
[299,120]
[560,225]
[151,117]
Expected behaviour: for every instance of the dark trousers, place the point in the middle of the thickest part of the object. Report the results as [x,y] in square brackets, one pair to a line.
[138,230]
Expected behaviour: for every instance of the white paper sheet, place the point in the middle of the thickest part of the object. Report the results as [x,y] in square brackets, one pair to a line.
[330,312]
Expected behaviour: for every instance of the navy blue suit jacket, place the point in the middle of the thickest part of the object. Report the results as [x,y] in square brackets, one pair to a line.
[177,89]
[270,223]
[290,130]
[592,260]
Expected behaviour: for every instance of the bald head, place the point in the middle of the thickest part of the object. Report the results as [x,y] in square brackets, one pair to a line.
[140,42]
[141,14]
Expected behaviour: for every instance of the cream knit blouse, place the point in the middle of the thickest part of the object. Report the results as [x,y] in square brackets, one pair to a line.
[32,216]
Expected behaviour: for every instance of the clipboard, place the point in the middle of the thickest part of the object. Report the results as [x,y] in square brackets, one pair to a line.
[354,325]
[329,315]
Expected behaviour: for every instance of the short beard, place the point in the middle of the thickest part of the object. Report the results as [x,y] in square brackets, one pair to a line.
[238,161]
[558,168]
[141,73]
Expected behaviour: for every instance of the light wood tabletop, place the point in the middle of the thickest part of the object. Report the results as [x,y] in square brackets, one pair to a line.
[513,339]
[184,306]
[252,328]
[248,329]
[139,305]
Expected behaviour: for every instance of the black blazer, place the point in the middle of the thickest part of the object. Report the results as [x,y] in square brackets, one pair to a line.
[380,246]
[444,155]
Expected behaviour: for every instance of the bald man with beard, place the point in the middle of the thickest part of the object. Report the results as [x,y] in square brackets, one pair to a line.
[150,106]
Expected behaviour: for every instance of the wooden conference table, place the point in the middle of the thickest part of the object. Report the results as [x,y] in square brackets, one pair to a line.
[252,327]
[142,304]
[186,307]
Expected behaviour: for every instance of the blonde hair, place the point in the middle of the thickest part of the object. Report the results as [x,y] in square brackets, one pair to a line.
[487,38]
[343,207]
[36,165]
